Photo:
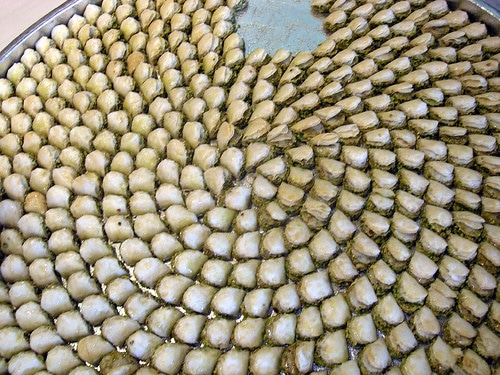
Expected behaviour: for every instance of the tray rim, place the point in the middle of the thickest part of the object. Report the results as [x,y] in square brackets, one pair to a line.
[481,11]
[11,54]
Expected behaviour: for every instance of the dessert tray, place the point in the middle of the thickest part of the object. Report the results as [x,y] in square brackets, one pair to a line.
[174,203]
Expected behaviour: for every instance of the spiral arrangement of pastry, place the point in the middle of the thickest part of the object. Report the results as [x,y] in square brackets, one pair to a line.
[172,203]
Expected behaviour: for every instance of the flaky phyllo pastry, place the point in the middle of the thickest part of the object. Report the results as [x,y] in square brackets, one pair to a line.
[174,204]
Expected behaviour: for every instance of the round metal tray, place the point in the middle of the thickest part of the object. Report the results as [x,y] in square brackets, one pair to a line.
[481,11]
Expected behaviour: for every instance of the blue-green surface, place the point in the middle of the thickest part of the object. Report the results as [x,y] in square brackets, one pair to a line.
[274,24]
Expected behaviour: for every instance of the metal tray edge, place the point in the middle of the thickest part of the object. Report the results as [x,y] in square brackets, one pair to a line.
[27,39]
[480,10]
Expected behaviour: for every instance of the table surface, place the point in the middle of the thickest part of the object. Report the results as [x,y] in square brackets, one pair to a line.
[16,16]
